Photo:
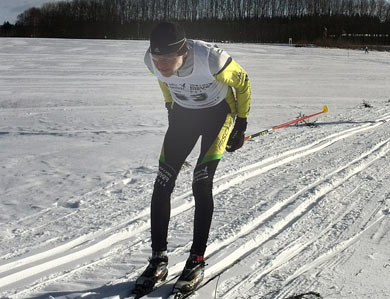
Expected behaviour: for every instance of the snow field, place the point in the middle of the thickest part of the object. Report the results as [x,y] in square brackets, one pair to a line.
[302,209]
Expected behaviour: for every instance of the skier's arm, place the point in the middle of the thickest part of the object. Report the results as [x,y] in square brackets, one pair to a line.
[229,72]
[235,76]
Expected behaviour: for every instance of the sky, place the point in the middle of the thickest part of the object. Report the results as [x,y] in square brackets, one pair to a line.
[10,9]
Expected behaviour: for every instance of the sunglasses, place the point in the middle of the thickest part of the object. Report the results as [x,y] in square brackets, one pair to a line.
[165,57]
[170,56]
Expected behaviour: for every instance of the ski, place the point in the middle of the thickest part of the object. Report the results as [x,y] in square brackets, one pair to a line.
[155,287]
[177,294]
[309,295]
[147,287]
[140,291]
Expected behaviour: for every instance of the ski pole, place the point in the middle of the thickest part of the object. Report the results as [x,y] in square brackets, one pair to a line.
[267,131]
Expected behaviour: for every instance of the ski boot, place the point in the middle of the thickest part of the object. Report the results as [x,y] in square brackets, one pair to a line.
[190,278]
[157,271]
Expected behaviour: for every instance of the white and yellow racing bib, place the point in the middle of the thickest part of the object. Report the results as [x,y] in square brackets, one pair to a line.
[199,89]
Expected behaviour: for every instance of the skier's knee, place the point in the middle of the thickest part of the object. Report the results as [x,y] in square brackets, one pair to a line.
[166,177]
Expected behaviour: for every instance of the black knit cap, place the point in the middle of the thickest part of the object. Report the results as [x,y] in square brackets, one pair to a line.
[167,38]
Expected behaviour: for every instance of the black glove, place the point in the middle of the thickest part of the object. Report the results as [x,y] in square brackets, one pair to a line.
[237,136]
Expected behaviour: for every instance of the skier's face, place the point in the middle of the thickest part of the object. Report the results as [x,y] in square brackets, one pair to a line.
[167,64]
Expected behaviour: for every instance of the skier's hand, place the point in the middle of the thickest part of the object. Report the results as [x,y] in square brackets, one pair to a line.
[236,139]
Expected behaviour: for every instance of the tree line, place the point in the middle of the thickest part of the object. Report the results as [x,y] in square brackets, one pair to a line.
[364,21]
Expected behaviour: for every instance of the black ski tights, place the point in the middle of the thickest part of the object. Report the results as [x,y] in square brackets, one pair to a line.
[161,206]
[204,205]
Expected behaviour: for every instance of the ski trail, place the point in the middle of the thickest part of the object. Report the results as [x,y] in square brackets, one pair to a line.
[286,254]
[278,206]
[309,198]
[331,253]
[45,254]
[293,154]
[89,245]
[88,250]
[293,250]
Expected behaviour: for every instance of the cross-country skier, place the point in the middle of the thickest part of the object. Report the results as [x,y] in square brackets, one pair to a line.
[206,93]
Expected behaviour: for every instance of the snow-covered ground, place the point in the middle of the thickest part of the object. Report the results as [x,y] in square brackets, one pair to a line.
[303,209]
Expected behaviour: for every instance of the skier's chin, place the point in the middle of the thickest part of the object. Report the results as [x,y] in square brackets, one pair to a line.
[166,73]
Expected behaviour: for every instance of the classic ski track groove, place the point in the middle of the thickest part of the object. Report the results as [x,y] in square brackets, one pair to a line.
[321,188]
[89,244]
